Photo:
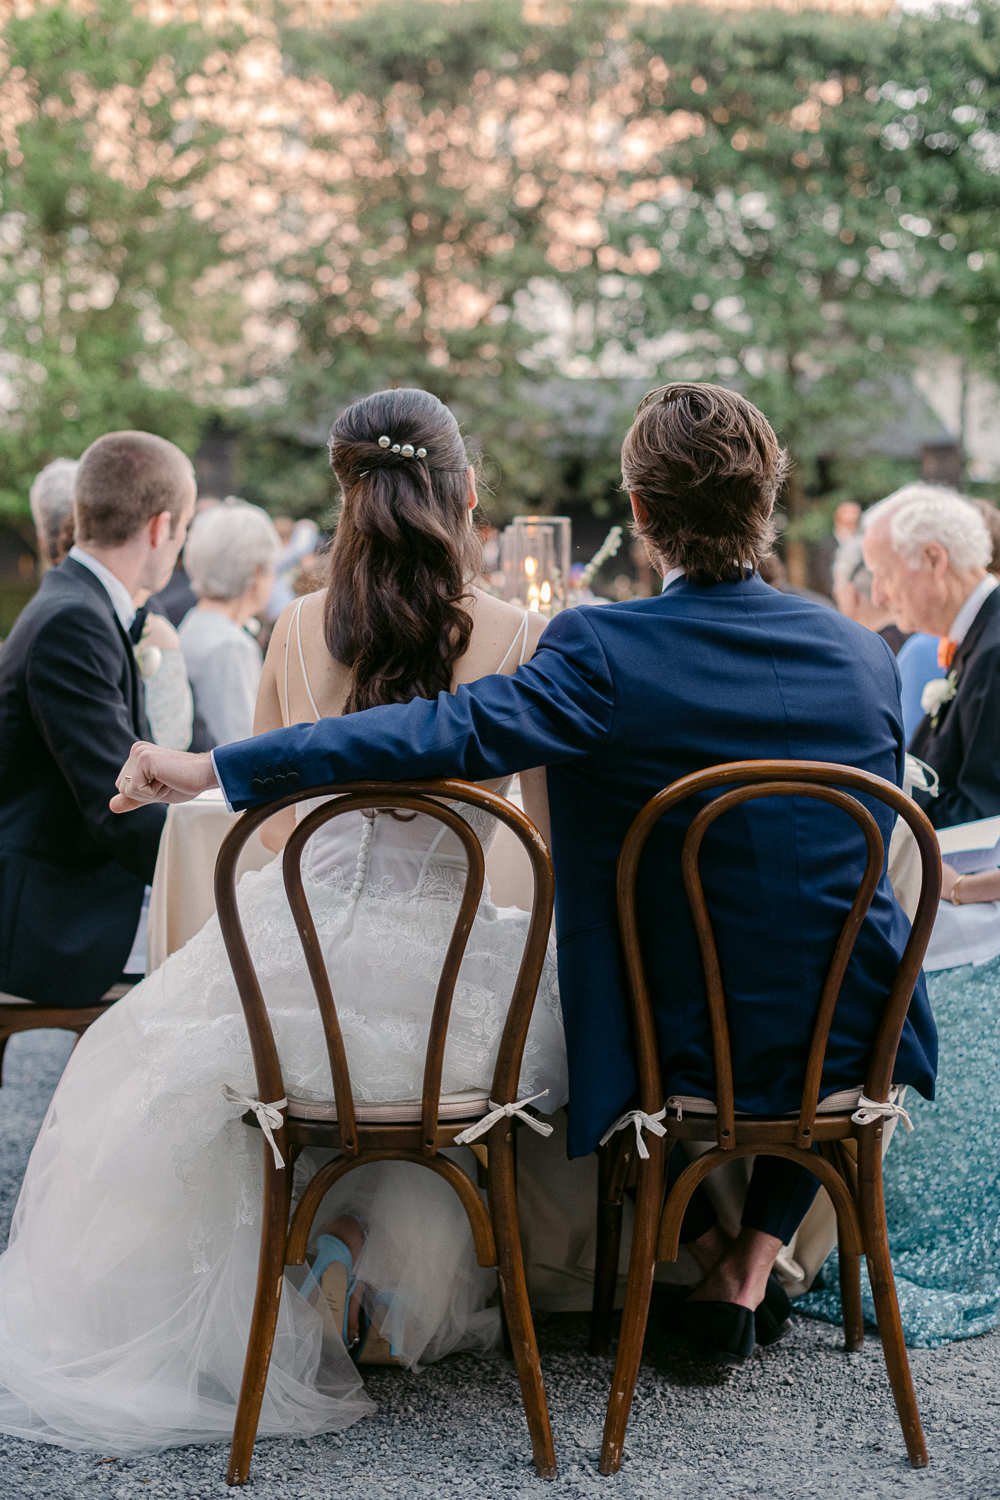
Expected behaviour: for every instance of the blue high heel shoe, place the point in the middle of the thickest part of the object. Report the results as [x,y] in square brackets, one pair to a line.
[333,1272]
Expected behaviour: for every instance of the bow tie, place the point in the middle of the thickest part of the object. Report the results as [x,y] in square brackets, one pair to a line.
[135,629]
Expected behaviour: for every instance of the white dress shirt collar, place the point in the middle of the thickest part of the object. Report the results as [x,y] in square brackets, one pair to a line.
[962,622]
[671,577]
[117,592]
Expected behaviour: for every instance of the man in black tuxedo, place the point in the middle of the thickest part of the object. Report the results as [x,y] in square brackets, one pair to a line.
[72,875]
[928,549]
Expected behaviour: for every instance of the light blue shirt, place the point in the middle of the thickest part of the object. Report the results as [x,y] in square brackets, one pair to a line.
[918,665]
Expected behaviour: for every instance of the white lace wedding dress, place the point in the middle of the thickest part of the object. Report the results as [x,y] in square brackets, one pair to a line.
[126,1292]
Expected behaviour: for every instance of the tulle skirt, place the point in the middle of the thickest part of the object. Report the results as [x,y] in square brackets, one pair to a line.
[127,1288]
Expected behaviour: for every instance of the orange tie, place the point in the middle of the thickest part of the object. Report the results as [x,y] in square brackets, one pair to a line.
[946,651]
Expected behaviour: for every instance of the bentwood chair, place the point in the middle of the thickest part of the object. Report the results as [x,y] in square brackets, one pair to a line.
[413,1132]
[853,1121]
[24,1015]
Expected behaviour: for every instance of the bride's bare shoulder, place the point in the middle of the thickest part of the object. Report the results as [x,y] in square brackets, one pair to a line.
[496,627]
[310,610]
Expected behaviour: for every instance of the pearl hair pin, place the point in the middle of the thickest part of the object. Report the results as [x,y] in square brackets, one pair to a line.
[405,450]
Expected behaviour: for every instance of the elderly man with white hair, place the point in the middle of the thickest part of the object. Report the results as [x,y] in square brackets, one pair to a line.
[928,550]
[230,558]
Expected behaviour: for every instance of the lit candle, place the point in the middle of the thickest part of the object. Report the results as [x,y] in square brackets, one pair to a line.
[546,592]
[530,566]
[533,596]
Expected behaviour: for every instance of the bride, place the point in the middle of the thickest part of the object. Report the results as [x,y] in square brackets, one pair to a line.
[127,1288]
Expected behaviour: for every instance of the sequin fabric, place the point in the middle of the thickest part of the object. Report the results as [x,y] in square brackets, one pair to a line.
[942,1183]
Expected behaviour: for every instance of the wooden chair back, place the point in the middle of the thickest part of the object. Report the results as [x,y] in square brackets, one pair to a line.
[424,797]
[748,781]
[848,1161]
[395,1135]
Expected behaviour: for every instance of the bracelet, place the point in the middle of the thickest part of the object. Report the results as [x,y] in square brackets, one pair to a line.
[954,891]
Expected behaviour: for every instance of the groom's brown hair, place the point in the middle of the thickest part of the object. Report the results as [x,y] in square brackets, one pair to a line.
[707,466]
[124,479]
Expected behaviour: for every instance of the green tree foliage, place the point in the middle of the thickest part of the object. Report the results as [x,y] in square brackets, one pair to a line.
[97,260]
[253,227]
[835,220]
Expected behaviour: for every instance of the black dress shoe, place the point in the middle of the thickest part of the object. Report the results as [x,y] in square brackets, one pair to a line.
[723,1327]
[773,1317]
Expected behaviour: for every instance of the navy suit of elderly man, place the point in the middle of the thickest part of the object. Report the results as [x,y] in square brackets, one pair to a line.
[618,702]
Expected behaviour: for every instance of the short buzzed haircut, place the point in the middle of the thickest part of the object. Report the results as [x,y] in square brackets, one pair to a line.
[707,467]
[51,499]
[124,480]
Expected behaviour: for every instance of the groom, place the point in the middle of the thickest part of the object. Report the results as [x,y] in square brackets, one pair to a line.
[617,703]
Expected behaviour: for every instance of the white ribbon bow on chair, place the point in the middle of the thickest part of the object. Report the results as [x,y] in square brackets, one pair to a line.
[869,1110]
[497,1112]
[639,1119]
[268,1117]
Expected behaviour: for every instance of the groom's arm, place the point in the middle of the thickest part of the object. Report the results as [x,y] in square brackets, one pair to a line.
[557,707]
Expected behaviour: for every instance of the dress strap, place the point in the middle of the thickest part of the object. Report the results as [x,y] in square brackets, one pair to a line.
[522,632]
[302,660]
[286,717]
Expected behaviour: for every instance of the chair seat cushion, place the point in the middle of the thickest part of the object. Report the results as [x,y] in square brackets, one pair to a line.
[844,1101]
[471,1104]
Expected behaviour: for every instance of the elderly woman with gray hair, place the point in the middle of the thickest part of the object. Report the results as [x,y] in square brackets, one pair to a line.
[230,558]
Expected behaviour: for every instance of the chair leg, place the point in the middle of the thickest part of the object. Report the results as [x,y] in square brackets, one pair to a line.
[270,1275]
[609,1240]
[642,1262]
[850,1264]
[871,1207]
[850,1300]
[514,1296]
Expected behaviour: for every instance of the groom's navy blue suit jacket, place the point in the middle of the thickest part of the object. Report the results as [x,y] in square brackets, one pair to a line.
[618,702]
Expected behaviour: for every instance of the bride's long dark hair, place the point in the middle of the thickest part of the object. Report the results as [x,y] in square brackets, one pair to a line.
[404,550]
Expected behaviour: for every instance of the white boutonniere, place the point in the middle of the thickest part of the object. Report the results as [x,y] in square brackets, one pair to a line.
[936,694]
[149,658]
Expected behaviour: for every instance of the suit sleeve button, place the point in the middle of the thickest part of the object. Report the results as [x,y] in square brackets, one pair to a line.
[267,784]
[279,782]
[256,786]
[292,779]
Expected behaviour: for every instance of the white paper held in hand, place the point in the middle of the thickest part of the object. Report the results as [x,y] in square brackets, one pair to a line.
[968,847]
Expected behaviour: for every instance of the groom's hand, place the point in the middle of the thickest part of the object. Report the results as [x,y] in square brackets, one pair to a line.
[152,774]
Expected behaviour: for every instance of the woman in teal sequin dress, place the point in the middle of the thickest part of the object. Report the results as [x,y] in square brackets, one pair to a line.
[942,1183]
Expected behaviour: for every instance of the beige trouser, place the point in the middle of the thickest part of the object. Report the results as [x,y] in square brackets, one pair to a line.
[557,1203]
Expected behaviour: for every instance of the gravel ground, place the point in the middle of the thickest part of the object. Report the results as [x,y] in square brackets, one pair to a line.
[798,1420]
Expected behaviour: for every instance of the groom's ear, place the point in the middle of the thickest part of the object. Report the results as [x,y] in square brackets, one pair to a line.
[639,511]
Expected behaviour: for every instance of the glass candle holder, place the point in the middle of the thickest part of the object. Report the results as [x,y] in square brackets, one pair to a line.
[529,566]
[562,542]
